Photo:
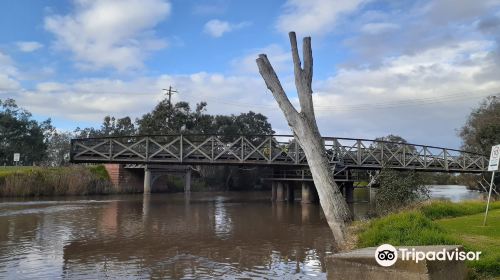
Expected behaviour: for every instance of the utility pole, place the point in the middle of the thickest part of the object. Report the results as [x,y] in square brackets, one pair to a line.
[169,92]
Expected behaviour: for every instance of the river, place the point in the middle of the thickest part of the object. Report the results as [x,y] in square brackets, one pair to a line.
[169,236]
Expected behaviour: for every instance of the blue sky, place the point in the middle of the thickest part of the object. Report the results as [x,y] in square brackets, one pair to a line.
[413,68]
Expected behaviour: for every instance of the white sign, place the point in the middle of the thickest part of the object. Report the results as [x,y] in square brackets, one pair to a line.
[17,156]
[494,158]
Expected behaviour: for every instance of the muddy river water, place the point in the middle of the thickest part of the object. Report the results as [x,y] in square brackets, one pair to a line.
[166,236]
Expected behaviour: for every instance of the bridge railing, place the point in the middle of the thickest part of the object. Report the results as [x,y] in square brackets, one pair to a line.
[271,150]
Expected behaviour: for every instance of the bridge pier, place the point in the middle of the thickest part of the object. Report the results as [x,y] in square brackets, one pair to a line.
[274,188]
[147,180]
[349,191]
[308,193]
[187,183]
[280,191]
[290,193]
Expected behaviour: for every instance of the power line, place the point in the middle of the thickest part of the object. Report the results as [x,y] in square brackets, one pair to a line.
[362,106]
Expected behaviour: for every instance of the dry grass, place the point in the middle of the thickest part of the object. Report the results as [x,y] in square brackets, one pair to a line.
[38,181]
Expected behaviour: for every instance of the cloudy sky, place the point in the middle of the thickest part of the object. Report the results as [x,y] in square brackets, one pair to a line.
[413,68]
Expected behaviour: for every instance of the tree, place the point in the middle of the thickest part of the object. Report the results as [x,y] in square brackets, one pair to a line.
[110,126]
[482,128]
[58,148]
[399,189]
[393,142]
[19,133]
[305,130]
[168,119]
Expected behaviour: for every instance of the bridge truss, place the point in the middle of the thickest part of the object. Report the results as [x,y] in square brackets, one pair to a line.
[271,150]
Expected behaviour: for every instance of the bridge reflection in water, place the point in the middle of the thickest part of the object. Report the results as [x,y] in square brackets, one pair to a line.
[207,235]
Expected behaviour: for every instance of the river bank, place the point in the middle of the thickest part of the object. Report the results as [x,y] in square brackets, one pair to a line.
[438,223]
[29,181]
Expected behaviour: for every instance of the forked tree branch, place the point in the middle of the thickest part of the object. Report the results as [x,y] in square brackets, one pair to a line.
[303,77]
[267,72]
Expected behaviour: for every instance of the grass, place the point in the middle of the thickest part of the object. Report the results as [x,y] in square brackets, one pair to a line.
[8,170]
[407,228]
[476,237]
[441,223]
[445,209]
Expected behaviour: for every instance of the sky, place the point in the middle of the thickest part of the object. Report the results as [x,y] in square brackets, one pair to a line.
[412,68]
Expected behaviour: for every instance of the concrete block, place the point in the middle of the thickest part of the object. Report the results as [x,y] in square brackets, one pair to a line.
[361,264]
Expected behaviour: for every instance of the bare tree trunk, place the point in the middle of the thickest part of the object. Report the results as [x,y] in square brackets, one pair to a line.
[306,132]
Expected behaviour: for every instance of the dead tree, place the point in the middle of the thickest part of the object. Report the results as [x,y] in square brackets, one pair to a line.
[306,132]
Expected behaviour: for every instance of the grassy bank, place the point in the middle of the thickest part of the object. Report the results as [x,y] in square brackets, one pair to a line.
[47,181]
[439,223]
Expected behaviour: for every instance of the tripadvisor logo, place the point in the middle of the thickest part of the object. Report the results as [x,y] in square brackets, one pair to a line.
[387,255]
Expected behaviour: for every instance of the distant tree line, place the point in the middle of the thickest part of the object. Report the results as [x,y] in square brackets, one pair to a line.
[181,118]
[20,133]
[40,143]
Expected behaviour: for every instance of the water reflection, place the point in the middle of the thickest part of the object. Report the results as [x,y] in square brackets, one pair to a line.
[171,236]
[164,236]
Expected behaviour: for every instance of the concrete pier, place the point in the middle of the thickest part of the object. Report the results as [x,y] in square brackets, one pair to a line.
[147,181]
[307,192]
[290,192]
[361,264]
[187,183]
[274,186]
[349,191]
[280,191]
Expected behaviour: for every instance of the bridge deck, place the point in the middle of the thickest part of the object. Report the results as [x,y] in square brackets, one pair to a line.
[271,150]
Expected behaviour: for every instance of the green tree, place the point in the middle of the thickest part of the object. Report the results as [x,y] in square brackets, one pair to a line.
[110,126]
[399,189]
[482,128]
[167,119]
[58,148]
[395,142]
[20,133]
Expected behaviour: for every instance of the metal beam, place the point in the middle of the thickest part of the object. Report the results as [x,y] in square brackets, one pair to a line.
[271,150]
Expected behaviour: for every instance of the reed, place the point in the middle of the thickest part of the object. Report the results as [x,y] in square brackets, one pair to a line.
[46,181]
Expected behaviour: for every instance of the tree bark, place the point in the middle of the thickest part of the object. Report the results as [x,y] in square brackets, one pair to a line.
[307,134]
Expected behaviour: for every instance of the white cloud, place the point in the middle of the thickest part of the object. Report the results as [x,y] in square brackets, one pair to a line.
[424,97]
[216,28]
[355,102]
[411,27]
[29,46]
[110,33]
[314,17]
[379,27]
[8,74]
[89,100]
[50,87]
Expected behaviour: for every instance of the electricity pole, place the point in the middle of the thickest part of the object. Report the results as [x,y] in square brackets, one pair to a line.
[169,92]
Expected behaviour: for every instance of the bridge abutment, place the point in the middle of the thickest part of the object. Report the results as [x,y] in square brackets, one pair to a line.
[124,180]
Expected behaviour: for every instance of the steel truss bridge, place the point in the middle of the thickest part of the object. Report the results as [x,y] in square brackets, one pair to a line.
[271,150]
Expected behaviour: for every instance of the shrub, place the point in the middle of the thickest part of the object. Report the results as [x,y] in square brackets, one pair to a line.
[399,189]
